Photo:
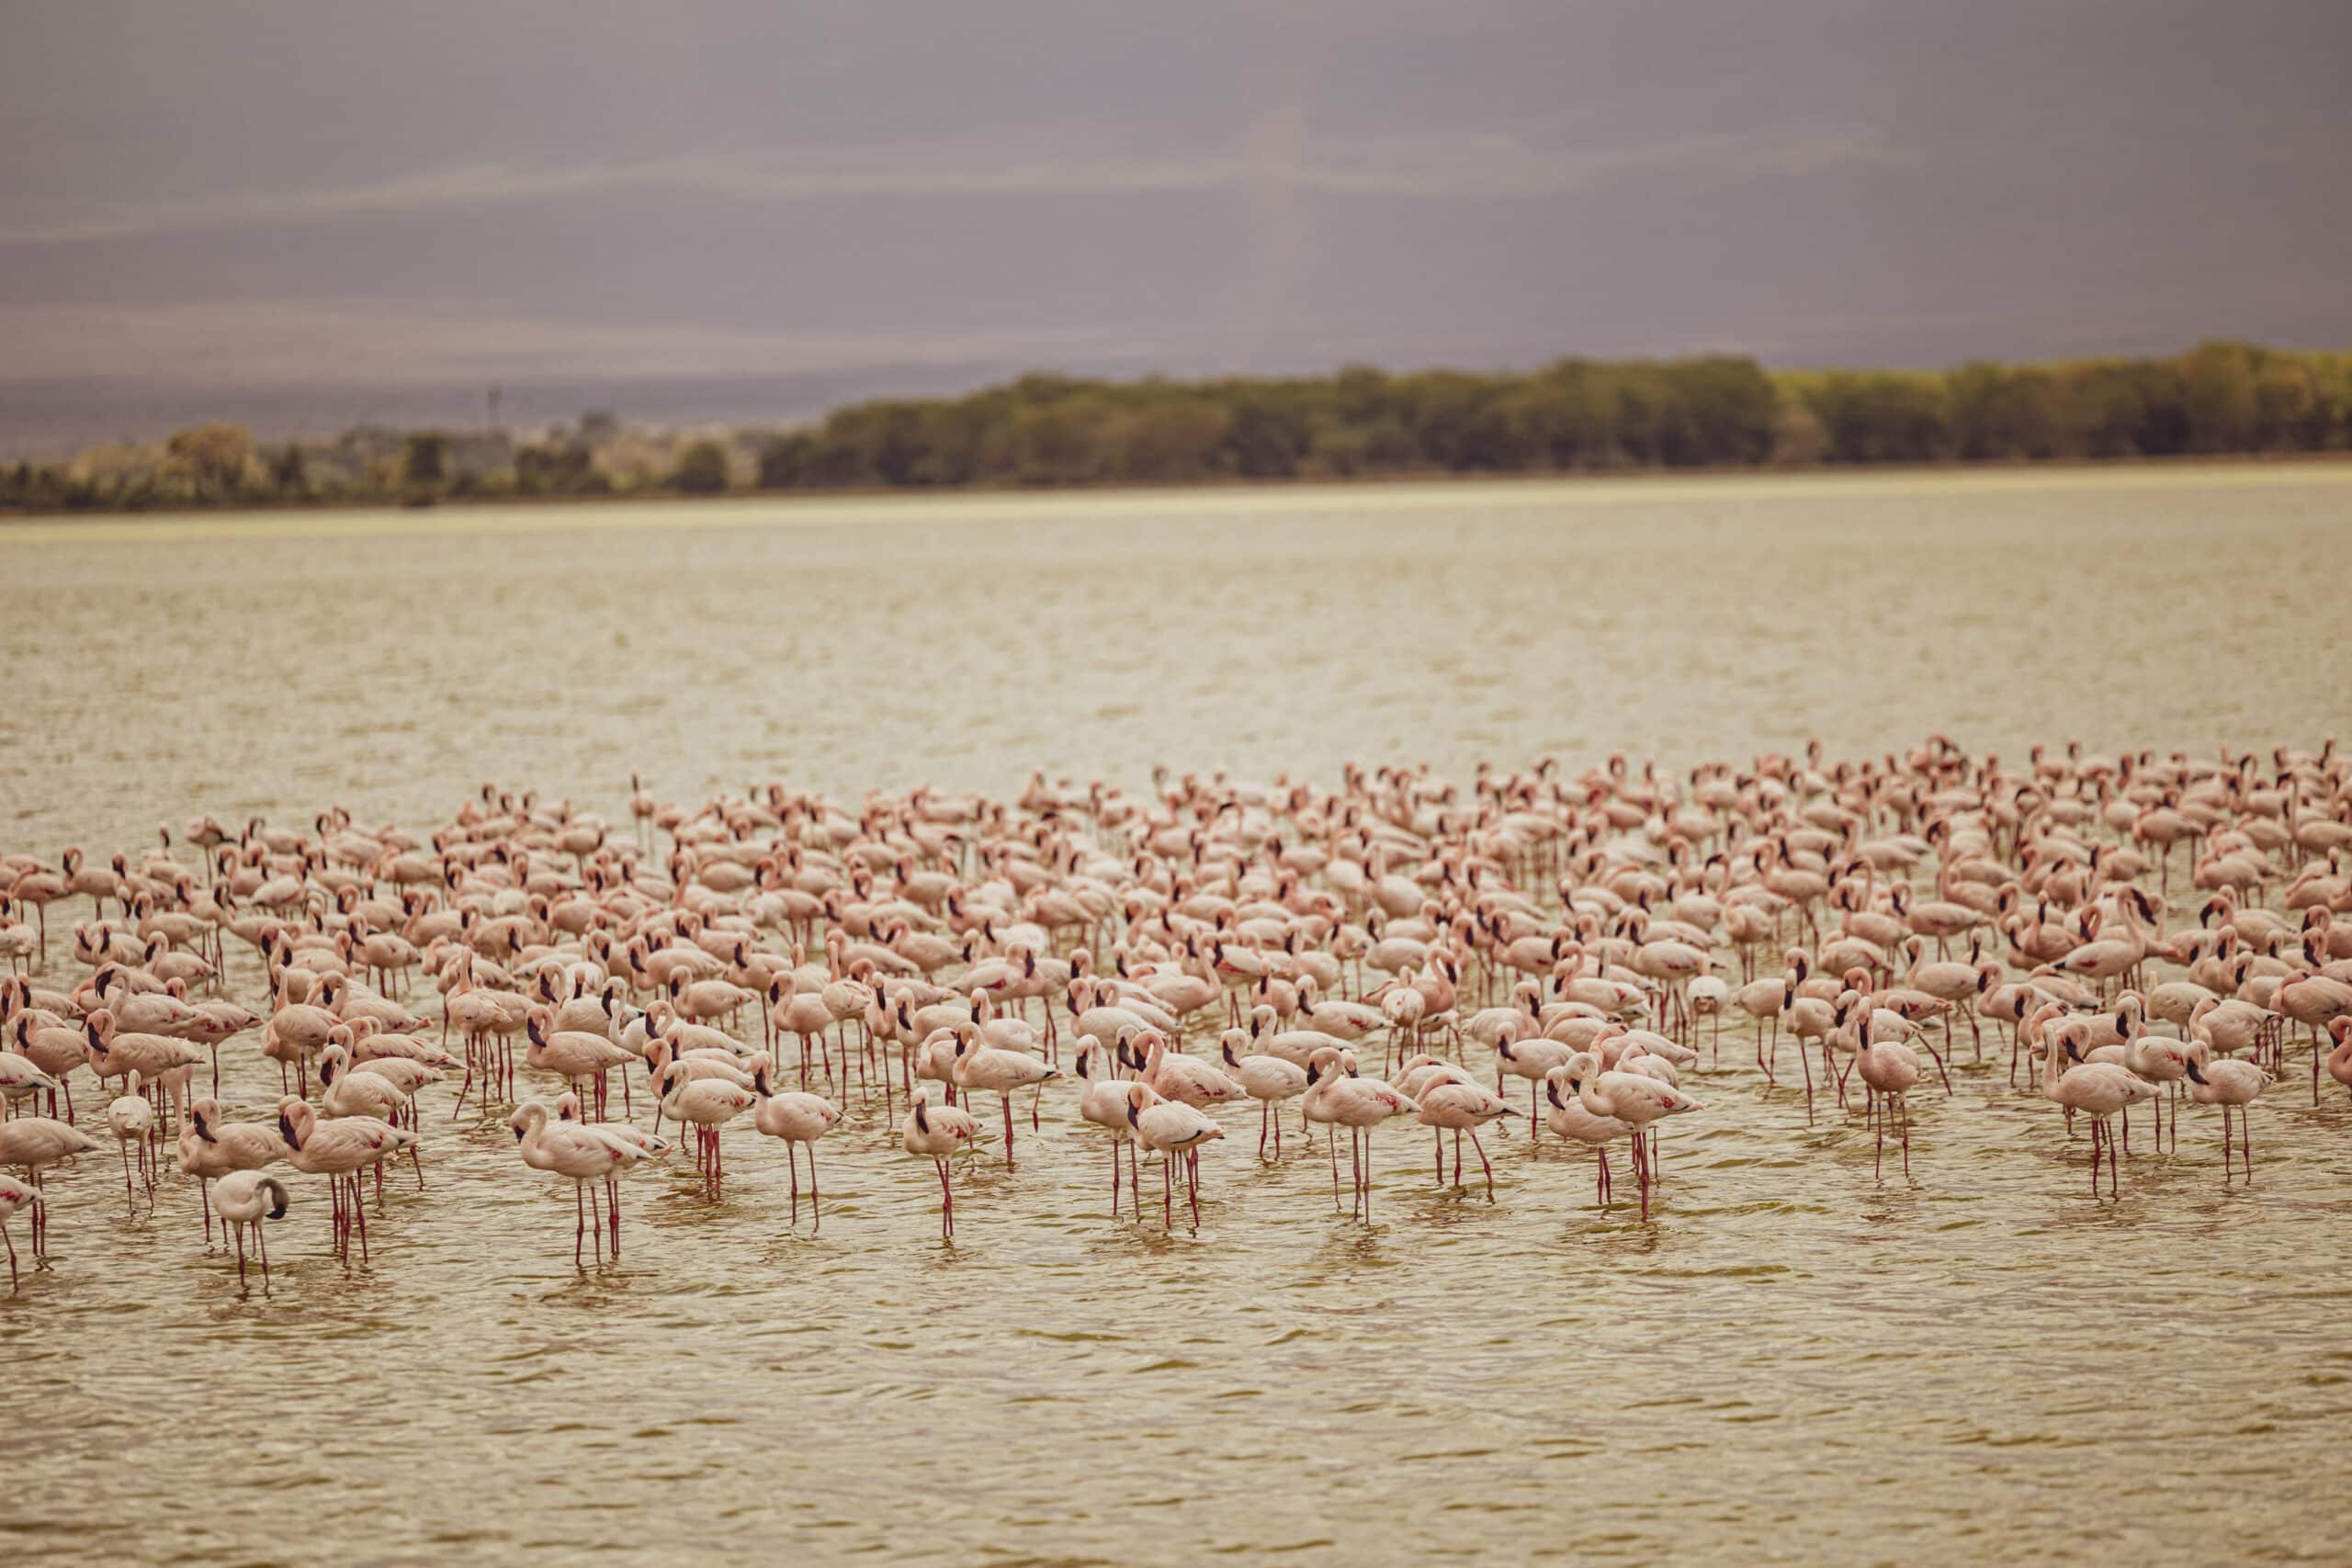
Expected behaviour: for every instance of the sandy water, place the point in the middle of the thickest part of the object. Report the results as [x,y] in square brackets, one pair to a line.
[1789,1359]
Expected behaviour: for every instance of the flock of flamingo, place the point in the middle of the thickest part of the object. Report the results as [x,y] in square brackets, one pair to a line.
[2144,928]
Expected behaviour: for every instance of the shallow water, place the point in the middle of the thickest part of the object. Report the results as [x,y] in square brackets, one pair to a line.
[1791,1359]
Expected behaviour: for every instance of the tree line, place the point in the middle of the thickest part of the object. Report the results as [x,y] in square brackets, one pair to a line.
[1576,416]
[1573,415]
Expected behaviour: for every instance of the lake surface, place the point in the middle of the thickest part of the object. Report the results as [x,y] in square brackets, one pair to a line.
[1789,1359]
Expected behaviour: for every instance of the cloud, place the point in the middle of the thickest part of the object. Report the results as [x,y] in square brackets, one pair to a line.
[412,342]
[1439,166]
[1491,164]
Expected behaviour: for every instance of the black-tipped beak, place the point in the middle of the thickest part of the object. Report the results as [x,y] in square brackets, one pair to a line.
[2194,1074]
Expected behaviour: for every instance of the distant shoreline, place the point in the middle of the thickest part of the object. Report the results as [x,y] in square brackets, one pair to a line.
[1624,477]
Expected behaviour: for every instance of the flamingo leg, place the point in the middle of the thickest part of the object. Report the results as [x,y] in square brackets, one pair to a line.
[1367,1175]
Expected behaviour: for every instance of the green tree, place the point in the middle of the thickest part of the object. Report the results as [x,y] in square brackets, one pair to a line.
[2220,407]
[557,467]
[786,460]
[425,459]
[288,476]
[213,459]
[1884,417]
[702,469]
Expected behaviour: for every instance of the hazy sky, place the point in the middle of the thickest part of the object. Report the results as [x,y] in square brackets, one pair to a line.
[298,194]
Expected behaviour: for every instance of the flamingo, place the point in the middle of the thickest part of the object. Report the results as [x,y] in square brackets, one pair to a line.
[1569,1119]
[796,1118]
[575,1055]
[132,1119]
[2098,1089]
[1889,1070]
[1462,1107]
[21,1077]
[1635,1098]
[211,1147]
[649,1146]
[246,1198]
[1103,1103]
[934,1133]
[1336,1096]
[1534,1060]
[1000,1072]
[33,1144]
[1270,1080]
[2228,1083]
[1170,1128]
[347,1092]
[339,1149]
[1185,1078]
[16,1197]
[581,1153]
[2339,1061]
[706,1104]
